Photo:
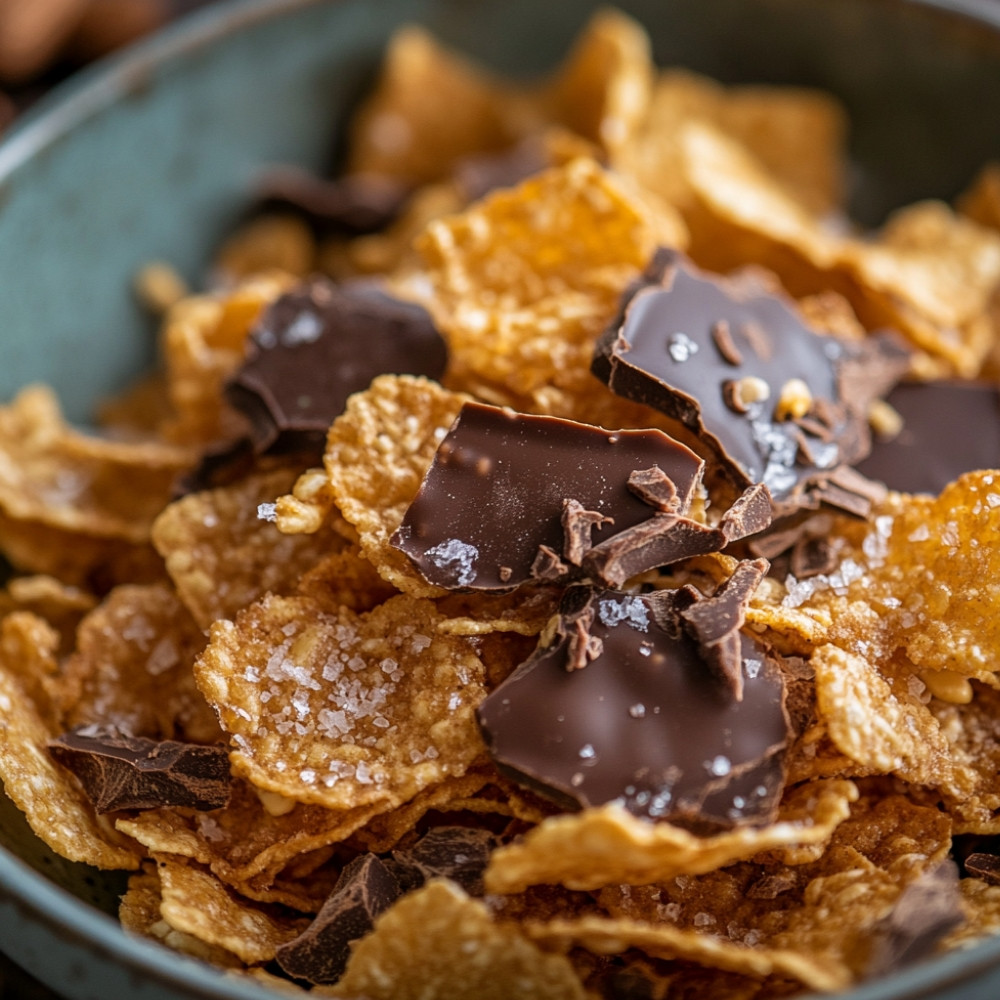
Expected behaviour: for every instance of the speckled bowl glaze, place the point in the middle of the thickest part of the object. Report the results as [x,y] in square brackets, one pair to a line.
[151,155]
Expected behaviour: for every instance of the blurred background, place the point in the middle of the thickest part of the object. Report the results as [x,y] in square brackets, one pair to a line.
[43,41]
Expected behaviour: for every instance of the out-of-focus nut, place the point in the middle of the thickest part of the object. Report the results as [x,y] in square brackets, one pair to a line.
[884,420]
[739,394]
[794,401]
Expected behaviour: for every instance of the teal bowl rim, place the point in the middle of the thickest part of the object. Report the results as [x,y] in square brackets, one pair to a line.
[87,93]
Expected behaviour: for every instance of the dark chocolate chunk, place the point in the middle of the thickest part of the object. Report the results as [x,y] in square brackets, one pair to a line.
[715,623]
[984,866]
[360,203]
[733,362]
[315,346]
[578,525]
[131,772]
[495,496]
[477,176]
[925,912]
[948,428]
[645,723]
[217,467]
[456,852]
[365,889]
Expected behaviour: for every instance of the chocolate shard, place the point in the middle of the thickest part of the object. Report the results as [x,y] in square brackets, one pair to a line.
[578,524]
[984,866]
[715,622]
[644,724]
[948,428]
[315,346]
[655,487]
[667,538]
[735,363]
[494,496]
[925,912]
[355,204]
[366,888]
[131,772]
[458,853]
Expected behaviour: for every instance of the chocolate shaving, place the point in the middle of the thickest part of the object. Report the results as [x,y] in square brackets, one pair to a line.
[655,487]
[924,913]
[578,524]
[365,889]
[772,886]
[715,623]
[547,566]
[458,853]
[758,339]
[132,772]
[722,337]
[749,514]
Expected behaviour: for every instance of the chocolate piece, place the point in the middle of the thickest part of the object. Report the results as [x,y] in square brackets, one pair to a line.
[477,176]
[715,623]
[217,467]
[925,912]
[131,772]
[315,346]
[361,203]
[948,428]
[644,724]
[456,852]
[578,525]
[984,866]
[365,889]
[495,494]
[773,401]
[668,538]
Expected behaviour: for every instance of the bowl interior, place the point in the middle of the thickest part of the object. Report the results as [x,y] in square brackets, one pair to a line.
[151,156]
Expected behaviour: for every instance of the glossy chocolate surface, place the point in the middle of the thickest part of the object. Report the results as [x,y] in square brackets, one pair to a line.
[948,428]
[318,344]
[131,772]
[507,497]
[702,349]
[640,718]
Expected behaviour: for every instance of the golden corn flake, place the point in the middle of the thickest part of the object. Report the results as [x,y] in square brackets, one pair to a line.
[882,731]
[269,243]
[981,905]
[49,796]
[245,842]
[140,914]
[132,668]
[609,846]
[377,454]
[345,578]
[56,477]
[981,202]
[404,129]
[344,710]
[796,134]
[29,649]
[439,944]
[202,342]
[921,583]
[602,90]
[195,903]
[525,280]
[59,604]
[223,556]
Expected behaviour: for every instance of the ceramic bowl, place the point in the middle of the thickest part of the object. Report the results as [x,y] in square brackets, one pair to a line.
[151,156]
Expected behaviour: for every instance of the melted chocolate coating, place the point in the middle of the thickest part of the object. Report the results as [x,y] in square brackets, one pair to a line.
[365,889]
[949,428]
[131,772]
[644,721]
[498,490]
[318,344]
[685,341]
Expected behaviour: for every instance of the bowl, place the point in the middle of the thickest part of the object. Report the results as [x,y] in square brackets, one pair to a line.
[151,155]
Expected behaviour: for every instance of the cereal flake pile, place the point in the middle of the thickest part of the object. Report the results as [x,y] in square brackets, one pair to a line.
[497,591]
